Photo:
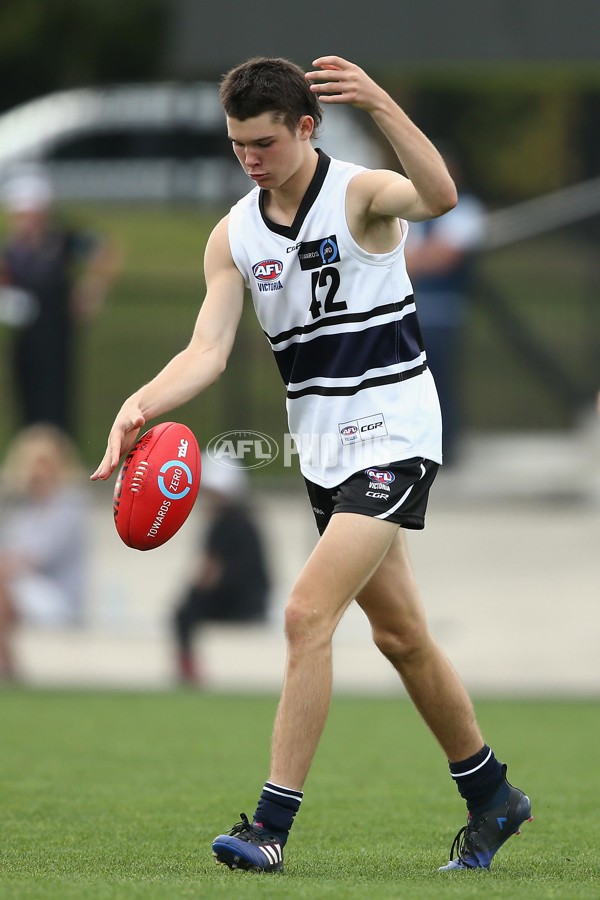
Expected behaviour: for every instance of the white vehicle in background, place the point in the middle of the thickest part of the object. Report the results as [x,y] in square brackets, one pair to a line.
[148,143]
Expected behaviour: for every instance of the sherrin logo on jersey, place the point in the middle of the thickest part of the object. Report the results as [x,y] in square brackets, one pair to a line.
[267,269]
[382,476]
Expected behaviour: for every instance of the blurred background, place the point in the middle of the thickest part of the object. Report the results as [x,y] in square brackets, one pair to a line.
[116,104]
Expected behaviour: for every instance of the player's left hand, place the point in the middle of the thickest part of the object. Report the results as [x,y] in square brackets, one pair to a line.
[337,80]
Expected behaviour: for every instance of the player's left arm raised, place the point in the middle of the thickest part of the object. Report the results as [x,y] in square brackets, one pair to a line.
[428,191]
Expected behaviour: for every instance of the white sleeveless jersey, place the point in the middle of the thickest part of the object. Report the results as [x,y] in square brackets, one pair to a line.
[343,327]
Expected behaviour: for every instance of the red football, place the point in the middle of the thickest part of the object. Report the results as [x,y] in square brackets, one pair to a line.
[157,486]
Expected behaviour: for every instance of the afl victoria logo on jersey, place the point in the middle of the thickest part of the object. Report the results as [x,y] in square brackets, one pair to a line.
[267,269]
[267,273]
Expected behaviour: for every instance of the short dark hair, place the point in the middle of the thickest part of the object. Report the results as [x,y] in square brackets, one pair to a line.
[269,84]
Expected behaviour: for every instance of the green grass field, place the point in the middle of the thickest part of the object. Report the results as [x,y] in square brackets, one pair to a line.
[117,795]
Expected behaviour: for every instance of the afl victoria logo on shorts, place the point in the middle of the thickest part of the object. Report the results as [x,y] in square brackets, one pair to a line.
[379,483]
[381,476]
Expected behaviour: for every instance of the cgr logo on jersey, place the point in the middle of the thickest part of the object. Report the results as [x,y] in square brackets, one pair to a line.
[267,273]
[381,476]
[314,254]
[367,428]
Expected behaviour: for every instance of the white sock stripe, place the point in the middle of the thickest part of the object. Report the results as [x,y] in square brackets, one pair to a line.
[284,792]
[470,772]
[282,787]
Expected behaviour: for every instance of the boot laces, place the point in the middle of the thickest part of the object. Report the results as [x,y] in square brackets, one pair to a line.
[245,831]
[459,843]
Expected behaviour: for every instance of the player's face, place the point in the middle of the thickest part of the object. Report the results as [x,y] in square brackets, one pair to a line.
[267,150]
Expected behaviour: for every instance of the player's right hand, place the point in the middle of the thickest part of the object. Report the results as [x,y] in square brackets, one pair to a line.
[337,80]
[121,439]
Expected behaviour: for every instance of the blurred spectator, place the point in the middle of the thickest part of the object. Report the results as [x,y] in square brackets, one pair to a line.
[43,519]
[51,278]
[439,258]
[231,580]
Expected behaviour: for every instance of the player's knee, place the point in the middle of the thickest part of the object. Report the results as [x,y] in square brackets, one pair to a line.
[305,624]
[401,644]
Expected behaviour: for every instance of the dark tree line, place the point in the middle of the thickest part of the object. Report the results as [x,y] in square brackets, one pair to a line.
[47,45]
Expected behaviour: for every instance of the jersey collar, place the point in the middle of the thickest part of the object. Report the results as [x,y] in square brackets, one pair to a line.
[312,192]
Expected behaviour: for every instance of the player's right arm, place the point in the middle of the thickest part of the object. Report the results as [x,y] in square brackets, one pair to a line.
[428,191]
[196,367]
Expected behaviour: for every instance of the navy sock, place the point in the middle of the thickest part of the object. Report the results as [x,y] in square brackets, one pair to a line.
[480,780]
[277,808]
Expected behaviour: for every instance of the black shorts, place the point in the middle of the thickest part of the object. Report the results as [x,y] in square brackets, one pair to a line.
[397,492]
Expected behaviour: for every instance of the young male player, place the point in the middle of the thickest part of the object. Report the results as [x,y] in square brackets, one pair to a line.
[319,243]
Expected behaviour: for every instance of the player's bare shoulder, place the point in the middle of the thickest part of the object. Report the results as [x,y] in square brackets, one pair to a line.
[217,255]
[218,240]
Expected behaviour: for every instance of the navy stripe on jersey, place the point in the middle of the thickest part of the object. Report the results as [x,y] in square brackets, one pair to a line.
[342,319]
[352,389]
[350,354]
